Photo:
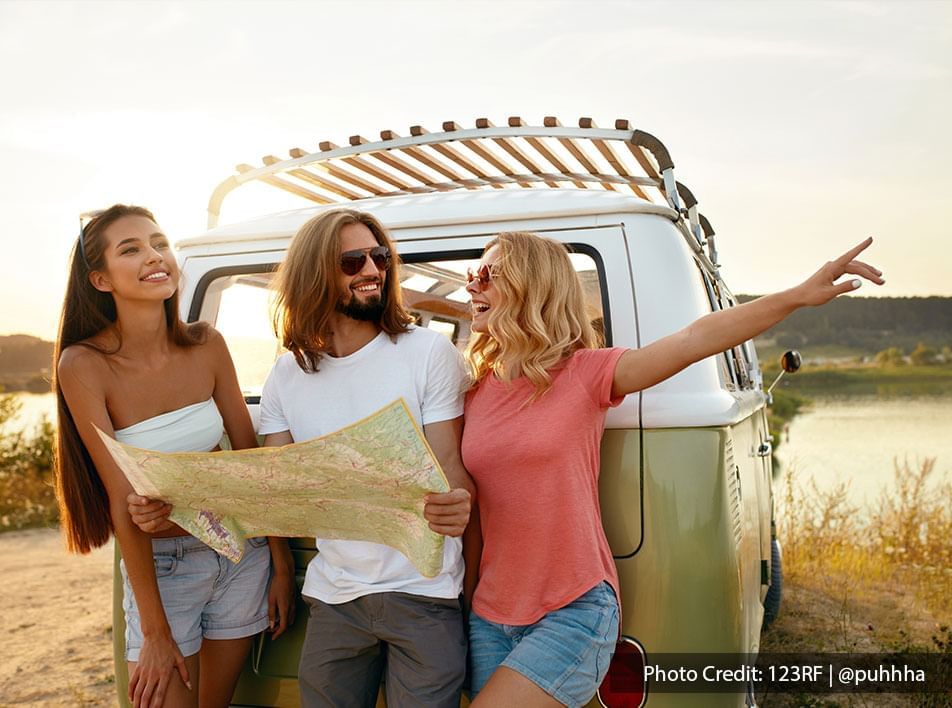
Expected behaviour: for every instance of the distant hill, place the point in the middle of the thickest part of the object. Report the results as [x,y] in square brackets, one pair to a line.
[25,363]
[867,324]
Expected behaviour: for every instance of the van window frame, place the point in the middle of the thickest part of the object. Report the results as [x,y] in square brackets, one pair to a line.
[209,277]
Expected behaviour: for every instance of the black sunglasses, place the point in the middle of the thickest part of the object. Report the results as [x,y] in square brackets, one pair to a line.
[351,262]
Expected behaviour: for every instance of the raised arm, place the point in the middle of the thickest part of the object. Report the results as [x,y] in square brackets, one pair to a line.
[638,369]
[80,375]
[448,513]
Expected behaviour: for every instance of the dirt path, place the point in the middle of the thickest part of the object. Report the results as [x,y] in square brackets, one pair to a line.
[56,617]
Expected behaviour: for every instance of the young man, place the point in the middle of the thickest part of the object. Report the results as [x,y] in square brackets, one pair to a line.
[351,350]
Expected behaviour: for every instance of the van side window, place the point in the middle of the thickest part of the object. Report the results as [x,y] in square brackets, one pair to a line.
[239,305]
[725,368]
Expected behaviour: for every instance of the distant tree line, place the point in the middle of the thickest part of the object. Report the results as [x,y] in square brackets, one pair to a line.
[870,324]
[25,363]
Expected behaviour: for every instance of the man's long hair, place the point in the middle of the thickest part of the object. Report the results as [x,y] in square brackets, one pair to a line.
[542,316]
[308,286]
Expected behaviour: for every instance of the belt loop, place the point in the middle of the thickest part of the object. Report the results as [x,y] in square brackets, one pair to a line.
[180,547]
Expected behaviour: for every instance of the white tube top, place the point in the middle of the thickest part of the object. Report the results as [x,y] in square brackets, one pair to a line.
[194,428]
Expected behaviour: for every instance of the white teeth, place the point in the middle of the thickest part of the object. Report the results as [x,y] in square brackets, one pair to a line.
[365,288]
[156,276]
[480,307]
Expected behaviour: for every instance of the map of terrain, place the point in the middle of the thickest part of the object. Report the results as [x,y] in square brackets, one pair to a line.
[365,482]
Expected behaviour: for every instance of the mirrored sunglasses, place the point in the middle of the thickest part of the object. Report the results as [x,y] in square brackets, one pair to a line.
[484,274]
[351,262]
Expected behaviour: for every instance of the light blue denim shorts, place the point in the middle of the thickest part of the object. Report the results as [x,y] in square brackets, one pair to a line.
[566,653]
[204,594]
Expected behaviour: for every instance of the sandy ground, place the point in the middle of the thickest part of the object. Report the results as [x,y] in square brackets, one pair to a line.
[56,615]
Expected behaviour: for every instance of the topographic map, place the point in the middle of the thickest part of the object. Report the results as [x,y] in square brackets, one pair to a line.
[365,482]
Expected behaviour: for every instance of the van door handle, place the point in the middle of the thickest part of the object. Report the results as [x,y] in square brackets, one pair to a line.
[765,449]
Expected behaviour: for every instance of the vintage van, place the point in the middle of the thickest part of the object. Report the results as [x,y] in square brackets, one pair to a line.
[686,465]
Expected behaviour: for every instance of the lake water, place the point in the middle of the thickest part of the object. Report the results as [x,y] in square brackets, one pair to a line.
[851,439]
[856,439]
[33,406]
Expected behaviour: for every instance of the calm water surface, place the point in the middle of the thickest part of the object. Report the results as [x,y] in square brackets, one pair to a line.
[856,439]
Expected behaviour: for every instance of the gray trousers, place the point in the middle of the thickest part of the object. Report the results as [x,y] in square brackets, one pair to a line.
[418,640]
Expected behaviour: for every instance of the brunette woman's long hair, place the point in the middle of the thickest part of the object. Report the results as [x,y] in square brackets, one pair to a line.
[80,493]
[308,286]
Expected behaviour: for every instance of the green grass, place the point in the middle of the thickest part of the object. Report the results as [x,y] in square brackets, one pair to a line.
[867,380]
[26,473]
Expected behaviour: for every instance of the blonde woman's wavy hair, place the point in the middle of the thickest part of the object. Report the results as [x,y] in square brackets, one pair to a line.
[542,318]
[308,286]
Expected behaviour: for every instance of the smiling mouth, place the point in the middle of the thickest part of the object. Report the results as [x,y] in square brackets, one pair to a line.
[155,277]
[366,287]
[480,307]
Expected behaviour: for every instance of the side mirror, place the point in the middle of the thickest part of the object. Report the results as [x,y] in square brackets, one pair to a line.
[790,361]
[790,364]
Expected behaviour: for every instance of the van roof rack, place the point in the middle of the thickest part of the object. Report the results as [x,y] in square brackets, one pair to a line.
[515,156]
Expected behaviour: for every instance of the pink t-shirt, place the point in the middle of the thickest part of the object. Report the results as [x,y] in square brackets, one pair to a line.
[536,472]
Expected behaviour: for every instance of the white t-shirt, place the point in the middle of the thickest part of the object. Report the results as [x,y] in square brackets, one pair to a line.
[425,369]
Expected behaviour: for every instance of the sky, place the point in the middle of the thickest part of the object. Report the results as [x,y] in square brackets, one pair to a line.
[801,127]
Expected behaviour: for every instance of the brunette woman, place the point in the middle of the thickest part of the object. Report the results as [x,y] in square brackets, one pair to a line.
[126,364]
[545,614]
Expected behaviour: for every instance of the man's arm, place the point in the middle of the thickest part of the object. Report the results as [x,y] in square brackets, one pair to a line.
[448,513]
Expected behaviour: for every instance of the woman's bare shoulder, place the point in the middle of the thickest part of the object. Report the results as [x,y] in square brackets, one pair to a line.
[86,356]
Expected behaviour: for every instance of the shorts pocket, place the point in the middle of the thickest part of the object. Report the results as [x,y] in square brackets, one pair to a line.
[165,566]
[258,541]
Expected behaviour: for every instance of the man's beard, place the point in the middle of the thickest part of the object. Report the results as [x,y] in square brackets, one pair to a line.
[364,311]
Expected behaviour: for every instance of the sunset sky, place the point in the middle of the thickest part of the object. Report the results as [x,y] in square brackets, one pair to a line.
[801,127]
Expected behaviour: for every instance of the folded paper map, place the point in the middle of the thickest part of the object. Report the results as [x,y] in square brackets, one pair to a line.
[365,482]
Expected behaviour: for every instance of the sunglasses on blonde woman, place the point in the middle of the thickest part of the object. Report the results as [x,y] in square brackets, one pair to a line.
[351,262]
[484,274]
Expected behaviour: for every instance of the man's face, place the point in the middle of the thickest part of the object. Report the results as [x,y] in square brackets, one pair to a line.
[362,297]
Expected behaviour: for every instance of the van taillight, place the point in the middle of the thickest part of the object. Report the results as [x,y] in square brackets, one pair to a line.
[624,685]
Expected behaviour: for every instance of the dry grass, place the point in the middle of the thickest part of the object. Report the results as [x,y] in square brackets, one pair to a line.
[904,543]
[865,580]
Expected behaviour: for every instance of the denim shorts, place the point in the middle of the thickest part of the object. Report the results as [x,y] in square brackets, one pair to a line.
[204,594]
[566,653]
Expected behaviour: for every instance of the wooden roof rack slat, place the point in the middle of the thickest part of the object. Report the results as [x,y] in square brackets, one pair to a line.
[448,151]
[540,147]
[420,156]
[575,150]
[364,166]
[288,186]
[610,155]
[393,161]
[341,174]
[514,151]
[480,150]
[317,180]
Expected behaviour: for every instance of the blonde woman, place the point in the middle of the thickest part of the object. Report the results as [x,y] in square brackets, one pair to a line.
[545,615]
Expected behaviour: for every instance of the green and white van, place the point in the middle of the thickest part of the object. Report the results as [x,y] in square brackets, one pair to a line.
[686,465]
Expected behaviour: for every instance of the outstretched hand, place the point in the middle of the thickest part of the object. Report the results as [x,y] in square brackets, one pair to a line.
[822,287]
